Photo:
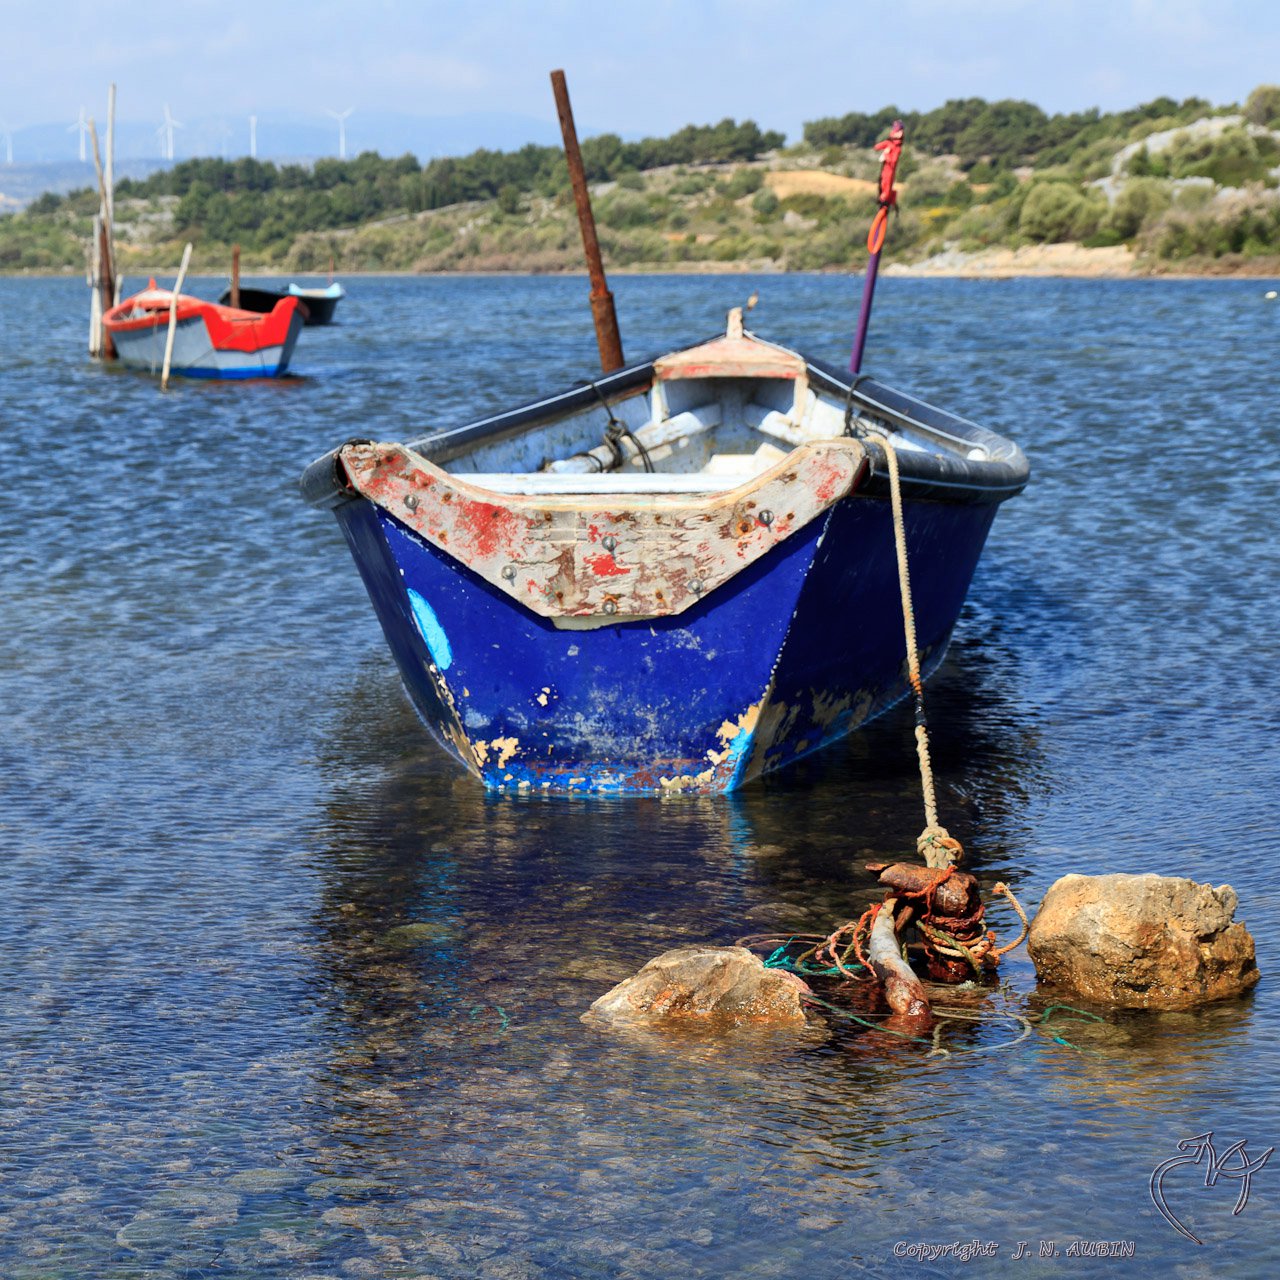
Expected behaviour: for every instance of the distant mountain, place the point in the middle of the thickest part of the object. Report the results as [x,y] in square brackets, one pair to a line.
[20,184]
[46,156]
[313,134]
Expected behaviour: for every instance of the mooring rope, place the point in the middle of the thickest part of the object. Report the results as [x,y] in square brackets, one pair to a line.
[935,843]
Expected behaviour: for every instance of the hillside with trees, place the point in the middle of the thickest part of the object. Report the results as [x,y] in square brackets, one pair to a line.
[1180,185]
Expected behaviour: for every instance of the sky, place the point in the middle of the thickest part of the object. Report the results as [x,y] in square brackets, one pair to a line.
[635,68]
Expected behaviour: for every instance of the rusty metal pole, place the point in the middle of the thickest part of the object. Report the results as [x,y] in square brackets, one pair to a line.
[235,276]
[602,310]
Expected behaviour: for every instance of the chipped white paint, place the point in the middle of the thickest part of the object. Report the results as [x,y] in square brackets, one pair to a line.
[602,558]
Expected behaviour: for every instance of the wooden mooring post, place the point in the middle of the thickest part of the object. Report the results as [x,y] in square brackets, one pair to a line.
[111,194]
[105,290]
[93,279]
[235,276]
[602,309]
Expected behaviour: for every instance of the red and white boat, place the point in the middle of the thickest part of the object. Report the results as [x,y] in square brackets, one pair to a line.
[211,341]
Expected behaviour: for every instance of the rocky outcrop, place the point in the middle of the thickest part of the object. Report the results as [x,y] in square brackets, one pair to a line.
[727,985]
[1142,942]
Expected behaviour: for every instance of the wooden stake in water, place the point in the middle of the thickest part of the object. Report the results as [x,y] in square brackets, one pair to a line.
[104,285]
[235,276]
[173,317]
[94,280]
[111,164]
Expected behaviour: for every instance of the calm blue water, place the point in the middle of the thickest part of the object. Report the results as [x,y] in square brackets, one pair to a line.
[216,1059]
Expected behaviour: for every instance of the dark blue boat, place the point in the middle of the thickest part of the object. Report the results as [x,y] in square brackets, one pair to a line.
[677,578]
[317,305]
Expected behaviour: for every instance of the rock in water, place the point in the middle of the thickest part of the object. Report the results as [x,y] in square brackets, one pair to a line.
[713,983]
[1142,942]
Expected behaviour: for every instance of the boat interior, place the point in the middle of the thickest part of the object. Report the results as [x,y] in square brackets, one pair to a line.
[710,419]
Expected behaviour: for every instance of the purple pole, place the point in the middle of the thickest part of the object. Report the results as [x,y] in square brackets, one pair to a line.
[890,149]
[864,313]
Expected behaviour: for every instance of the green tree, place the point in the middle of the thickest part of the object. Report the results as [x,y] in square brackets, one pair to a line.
[1008,130]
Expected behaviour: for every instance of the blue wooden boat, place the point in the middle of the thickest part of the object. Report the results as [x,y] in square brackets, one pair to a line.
[676,578]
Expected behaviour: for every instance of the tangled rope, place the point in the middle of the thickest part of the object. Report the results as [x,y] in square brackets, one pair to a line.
[1026,1020]
[951,932]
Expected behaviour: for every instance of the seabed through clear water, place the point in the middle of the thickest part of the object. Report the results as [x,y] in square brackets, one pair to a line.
[286,994]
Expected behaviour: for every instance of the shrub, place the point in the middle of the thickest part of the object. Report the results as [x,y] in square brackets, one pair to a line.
[928,187]
[808,205]
[742,183]
[1140,201]
[1142,164]
[1231,159]
[1193,196]
[1250,225]
[693,184]
[625,209]
[1055,211]
[1004,184]
[977,229]
[765,203]
[1262,106]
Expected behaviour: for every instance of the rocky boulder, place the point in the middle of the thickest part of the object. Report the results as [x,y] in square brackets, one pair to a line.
[1142,942]
[715,984]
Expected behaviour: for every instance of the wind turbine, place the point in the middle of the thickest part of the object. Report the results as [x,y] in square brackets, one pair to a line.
[83,125]
[253,137]
[341,118]
[165,133]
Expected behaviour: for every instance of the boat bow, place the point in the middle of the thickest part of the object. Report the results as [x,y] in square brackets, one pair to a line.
[604,557]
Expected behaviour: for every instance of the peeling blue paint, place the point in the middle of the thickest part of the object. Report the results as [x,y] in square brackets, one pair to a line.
[432,631]
[811,634]
[739,753]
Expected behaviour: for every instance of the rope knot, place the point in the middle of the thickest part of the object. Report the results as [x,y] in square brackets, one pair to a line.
[939,848]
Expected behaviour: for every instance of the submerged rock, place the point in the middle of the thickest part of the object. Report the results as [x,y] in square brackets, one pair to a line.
[417,934]
[729,984]
[1142,942]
